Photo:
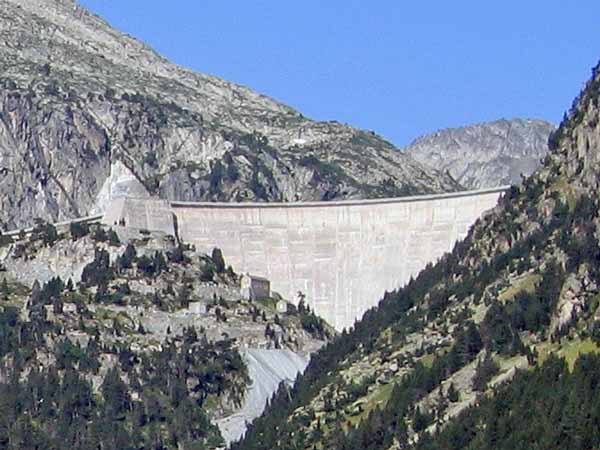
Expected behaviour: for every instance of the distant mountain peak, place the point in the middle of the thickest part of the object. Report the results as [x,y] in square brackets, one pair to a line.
[487,154]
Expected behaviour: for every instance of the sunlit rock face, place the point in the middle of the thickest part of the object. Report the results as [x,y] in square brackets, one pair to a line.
[488,154]
[120,183]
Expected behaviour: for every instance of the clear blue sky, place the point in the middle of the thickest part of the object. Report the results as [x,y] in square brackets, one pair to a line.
[400,68]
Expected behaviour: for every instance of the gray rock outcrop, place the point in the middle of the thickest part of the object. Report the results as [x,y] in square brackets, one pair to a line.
[485,155]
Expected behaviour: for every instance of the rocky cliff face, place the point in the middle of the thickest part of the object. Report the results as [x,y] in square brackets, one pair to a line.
[485,155]
[77,97]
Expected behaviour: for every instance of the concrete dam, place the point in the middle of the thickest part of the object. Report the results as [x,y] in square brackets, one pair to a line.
[342,255]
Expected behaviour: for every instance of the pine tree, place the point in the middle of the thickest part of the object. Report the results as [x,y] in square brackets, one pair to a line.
[116,398]
[78,230]
[217,257]
[113,238]
[421,420]
[453,394]
[160,264]
[485,371]
[126,260]
[184,297]
[4,290]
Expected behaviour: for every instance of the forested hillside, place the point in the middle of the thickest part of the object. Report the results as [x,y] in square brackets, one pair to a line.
[126,339]
[481,350]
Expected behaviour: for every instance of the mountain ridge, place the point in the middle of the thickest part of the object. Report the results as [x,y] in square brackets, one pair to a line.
[78,97]
[486,154]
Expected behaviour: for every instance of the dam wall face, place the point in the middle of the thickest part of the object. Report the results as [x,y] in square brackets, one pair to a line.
[342,255]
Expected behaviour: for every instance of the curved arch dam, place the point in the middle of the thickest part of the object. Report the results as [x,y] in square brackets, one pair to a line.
[342,255]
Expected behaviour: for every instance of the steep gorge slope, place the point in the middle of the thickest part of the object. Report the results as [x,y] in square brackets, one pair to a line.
[76,97]
[124,340]
[467,356]
[488,154]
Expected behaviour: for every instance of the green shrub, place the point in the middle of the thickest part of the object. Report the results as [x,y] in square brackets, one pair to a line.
[78,230]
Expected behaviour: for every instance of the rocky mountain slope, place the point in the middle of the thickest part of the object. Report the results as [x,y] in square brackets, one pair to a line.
[497,346]
[78,97]
[486,155]
[125,339]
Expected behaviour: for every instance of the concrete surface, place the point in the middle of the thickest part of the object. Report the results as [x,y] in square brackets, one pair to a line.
[342,255]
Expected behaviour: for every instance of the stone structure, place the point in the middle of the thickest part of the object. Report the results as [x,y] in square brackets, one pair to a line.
[197,308]
[254,287]
[140,213]
[342,255]
[281,306]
